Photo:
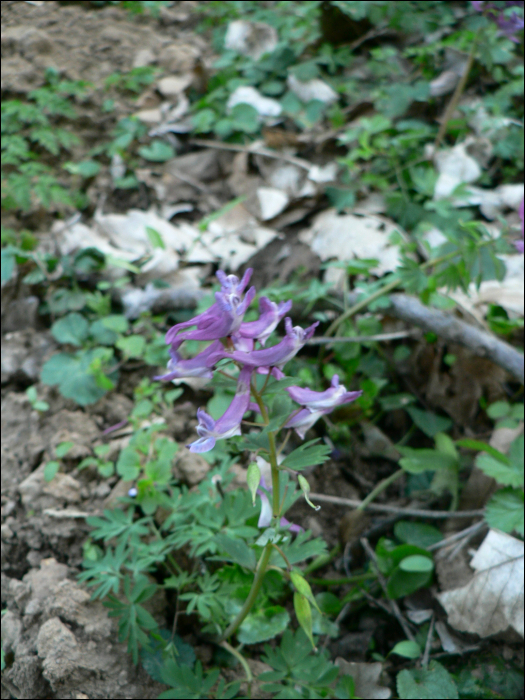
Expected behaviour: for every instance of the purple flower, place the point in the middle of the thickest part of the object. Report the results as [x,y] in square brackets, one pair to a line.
[270,315]
[229,424]
[195,367]
[277,356]
[508,24]
[223,318]
[265,518]
[317,404]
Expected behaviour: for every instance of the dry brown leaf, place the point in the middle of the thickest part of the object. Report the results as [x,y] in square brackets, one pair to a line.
[493,599]
[366,678]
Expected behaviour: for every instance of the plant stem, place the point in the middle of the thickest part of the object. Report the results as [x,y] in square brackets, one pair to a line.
[457,92]
[252,595]
[241,659]
[382,485]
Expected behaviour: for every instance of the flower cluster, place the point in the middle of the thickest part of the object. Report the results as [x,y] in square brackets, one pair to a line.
[233,339]
[508,23]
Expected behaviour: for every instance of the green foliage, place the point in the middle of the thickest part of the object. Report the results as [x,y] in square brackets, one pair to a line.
[432,682]
[30,134]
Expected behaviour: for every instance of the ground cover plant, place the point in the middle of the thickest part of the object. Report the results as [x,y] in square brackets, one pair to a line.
[291,489]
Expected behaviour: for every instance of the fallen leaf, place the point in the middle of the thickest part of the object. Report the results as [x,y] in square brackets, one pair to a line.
[366,678]
[271,201]
[250,38]
[314,89]
[493,600]
[348,236]
[265,106]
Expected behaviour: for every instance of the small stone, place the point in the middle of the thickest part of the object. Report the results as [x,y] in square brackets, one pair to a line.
[191,468]
[173,85]
[63,487]
[143,57]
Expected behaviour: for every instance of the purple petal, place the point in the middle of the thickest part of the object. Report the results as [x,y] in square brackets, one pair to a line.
[265,518]
[205,420]
[303,421]
[202,445]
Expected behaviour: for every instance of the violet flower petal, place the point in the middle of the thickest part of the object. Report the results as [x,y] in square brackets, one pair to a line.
[229,423]
[302,421]
[277,356]
[194,367]
[270,315]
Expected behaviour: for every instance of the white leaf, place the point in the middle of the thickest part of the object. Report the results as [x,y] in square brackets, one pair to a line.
[265,106]
[493,600]
[250,38]
[311,90]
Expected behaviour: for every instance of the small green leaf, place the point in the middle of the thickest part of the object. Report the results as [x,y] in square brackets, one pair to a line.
[245,118]
[303,612]
[499,409]
[128,464]
[50,470]
[418,461]
[132,345]
[428,422]
[408,649]
[237,550]
[157,151]
[85,168]
[63,448]
[253,479]
[116,323]
[155,238]
[432,683]
[72,329]
[508,475]
[419,534]
[416,563]
[307,455]
[504,511]
[263,625]
[305,488]
[302,586]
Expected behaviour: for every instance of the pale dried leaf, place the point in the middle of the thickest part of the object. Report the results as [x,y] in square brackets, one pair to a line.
[173,85]
[493,600]
[455,166]
[271,201]
[250,38]
[366,678]
[347,237]
[314,89]
[265,106]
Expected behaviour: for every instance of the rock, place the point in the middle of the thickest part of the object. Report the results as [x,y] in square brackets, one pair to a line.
[143,57]
[76,427]
[63,487]
[179,57]
[173,85]
[20,315]
[42,581]
[23,354]
[190,468]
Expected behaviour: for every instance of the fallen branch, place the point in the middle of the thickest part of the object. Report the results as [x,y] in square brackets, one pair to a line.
[449,328]
[352,503]
[380,337]
[257,151]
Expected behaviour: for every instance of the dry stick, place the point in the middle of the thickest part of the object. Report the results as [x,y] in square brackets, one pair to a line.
[466,533]
[449,328]
[268,153]
[428,644]
[338,501]
[381,337]
[457,93]
[393,605]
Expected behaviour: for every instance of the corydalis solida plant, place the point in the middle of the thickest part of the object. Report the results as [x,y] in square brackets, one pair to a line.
[233,339]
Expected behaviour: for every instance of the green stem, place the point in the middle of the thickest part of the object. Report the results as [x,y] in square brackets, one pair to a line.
[342,581]
[388,288]
[241,659]
[322,560]
[460,87]
[252,595]
[382,485]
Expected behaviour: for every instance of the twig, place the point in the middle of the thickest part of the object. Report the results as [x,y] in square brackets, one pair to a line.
[381,337]
[260,151]
[393,605]
[449,328]
[468,532]
[353,503]
[428,644]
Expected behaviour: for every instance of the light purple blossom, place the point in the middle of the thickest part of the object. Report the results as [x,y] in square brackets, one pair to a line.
[317,404]
[194,367]
[270,315]
[277,356]
[265,518]
[229,424]
[508,24]
[223,318]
